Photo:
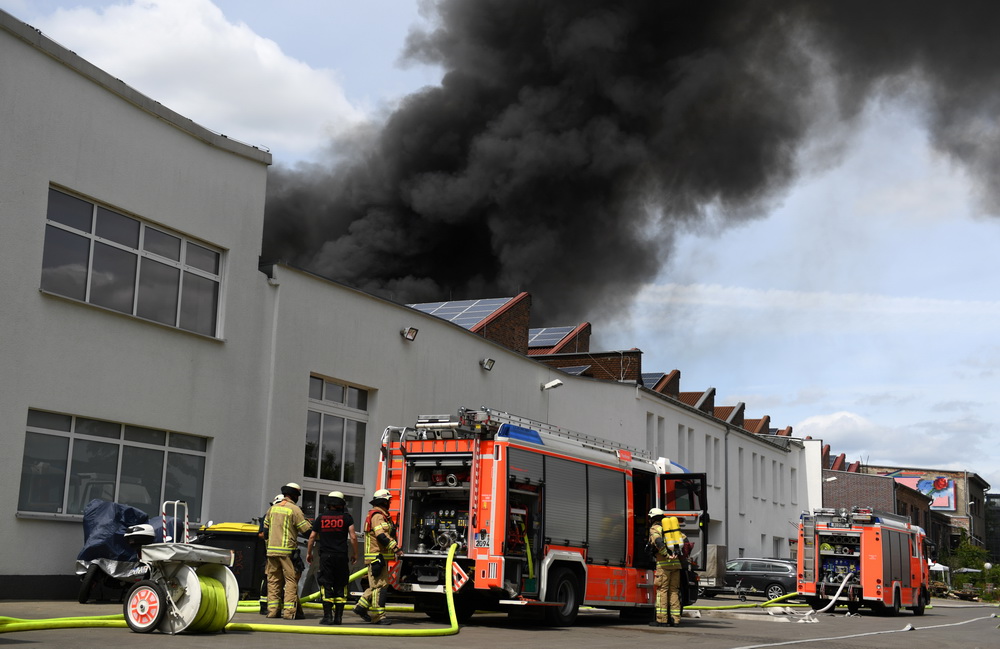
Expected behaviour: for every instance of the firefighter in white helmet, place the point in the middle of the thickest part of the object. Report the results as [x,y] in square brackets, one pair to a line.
[380,548]
[667,579]
[283,524]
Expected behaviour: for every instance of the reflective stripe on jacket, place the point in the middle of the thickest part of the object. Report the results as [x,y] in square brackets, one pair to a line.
[282,525]
[378,522]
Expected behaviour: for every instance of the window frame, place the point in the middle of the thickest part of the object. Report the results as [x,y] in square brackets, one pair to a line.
[75,437]
[143,259]
[326,407]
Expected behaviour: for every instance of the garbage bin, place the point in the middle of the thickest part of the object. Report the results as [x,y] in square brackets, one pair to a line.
[248,552]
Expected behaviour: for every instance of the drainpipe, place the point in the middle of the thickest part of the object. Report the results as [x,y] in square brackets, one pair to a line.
[725,511]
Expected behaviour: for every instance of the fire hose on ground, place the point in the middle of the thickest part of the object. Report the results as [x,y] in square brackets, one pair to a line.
[213,610]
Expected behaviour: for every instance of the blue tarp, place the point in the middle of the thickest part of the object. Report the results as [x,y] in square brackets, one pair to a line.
[104,526]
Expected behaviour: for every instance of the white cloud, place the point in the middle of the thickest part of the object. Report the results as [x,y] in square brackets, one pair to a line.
[187,56]
[807,311]
[954,444]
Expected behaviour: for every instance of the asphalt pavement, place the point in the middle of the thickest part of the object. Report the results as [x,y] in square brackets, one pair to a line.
[947,623]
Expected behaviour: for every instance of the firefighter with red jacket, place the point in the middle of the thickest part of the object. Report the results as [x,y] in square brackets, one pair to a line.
[380,548]
[667,544]
[333,530]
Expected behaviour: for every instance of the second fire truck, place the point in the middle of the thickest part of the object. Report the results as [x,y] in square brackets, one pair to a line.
[543,517]
[869,558]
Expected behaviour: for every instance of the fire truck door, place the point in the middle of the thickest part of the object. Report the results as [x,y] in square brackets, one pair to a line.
[643,499]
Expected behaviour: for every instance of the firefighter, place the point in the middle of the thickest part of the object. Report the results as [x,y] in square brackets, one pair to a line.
[283,524]
[380,548]
[666,542]
[263,578]
[333,530]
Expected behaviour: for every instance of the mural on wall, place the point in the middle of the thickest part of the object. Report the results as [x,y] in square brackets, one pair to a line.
[941,489]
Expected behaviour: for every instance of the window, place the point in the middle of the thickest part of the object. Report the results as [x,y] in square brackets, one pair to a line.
[69,461]
[335,431]
[99,256]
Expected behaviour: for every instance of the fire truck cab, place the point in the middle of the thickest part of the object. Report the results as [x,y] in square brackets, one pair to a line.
[544,518]
[863,558]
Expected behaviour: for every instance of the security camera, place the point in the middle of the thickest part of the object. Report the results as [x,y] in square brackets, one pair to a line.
[555,383]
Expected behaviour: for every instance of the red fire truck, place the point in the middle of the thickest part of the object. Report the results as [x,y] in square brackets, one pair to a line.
[870,558]
[543,517]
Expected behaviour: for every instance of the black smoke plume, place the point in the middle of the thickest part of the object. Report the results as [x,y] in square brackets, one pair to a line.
[570,141]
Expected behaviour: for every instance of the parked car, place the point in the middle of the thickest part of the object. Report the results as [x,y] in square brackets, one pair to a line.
[771,578]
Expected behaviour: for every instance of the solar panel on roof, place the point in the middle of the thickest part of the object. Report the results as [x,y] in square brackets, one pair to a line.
[547,336]
[649,379]
[576,370]
[465,313]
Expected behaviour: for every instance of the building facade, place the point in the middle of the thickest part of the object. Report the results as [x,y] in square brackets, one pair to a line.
[147,358]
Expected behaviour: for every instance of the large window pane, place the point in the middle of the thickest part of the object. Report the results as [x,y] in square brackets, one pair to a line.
[311,467]
[64,263]
[142,473]
[354,452]
[203,258]
[186,481]
[112,283]
[43,473]
[158,292]
[70,210]
[118,228]
[93,473]
[198,304]
[332,448]
[162,244]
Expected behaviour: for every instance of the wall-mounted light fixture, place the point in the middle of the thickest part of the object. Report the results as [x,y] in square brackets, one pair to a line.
[554,383]
[829,479]
[487,364]
[410,333]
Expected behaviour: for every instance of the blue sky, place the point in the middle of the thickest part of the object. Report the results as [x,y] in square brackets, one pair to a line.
[860,309]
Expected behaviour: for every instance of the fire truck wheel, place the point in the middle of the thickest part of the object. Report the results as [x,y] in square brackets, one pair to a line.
[563,587]
[921,603]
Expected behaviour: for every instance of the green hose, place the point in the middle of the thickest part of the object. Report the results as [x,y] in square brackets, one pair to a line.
[213,612]
[374,631]
[770,602]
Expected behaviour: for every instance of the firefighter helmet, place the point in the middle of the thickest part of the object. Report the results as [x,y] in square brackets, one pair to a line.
[291,489]
[277,499]
[335,494]
[655,512]
[382,494]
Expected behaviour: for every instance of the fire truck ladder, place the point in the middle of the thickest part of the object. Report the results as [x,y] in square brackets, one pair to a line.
[498,418]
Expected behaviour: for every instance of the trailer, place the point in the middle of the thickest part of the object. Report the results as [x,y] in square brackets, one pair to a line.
[863,558]
[545,519]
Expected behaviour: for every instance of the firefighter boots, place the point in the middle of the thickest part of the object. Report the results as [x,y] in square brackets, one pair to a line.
[327,613]
[338,614]
[362,612]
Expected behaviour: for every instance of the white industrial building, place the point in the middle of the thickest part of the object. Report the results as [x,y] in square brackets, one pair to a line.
[146,357]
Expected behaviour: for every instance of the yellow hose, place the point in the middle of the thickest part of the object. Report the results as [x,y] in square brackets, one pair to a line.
[770,602]
[374,631]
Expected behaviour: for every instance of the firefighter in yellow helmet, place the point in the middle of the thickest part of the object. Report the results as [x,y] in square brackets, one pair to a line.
[283,524]
[666,542]
[380,548]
